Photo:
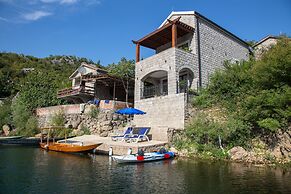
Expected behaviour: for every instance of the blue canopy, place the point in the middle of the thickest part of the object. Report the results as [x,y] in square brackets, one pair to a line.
[130,111]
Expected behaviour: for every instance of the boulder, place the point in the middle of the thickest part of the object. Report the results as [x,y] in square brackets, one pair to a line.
[6,130]
[75,122]
[237,153]
[104,134]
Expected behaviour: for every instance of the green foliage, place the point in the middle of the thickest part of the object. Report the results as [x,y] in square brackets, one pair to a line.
[58,119]
[203,100]
[20,114]
[124,69]
[85,129]
[204,131]
[31,127]
[270,124]
[5,113]
[58,67]
[273,70]
[39,89]
[256,95]
[94,112]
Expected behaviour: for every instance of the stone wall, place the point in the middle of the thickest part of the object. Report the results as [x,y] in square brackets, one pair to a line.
[216,46]
[102,123]
[162,113]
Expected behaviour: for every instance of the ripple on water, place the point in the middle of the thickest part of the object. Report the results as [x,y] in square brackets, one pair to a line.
[32,170]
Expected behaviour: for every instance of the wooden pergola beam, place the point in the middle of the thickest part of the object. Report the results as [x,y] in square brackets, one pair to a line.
[174,35]
[137,53]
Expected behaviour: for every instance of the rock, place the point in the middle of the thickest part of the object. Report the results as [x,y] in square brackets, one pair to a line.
[104,134]
[6,130]
[75,122]
[172,149]
[237,153]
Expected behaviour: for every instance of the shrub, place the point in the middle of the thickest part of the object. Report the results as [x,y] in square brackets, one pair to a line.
[85,129]
[5,114]
[20,114]
[269,124]
[58,119]
[31,127]
[94,112]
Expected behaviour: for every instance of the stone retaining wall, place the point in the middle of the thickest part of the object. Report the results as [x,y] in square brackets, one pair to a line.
[102,123]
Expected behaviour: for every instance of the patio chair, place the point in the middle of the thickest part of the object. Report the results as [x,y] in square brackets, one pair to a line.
[142,134]
[126,134]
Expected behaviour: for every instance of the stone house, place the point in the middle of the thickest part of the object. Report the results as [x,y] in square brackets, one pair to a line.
[188,49]
[263,45]
[90,82]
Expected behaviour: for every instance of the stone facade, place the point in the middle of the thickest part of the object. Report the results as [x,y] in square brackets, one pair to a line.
[263,45]
[161,113]
[216,47]
[104,122]
[173,66]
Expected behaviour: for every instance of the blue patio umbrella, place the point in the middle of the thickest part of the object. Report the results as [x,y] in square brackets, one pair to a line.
[130,111]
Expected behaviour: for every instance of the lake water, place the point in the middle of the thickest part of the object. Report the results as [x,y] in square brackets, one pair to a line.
[32,170]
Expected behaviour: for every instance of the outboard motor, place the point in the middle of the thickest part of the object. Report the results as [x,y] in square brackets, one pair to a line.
[140,152]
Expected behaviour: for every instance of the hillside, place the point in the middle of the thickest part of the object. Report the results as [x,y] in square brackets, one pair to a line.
[28,82]
[14,67]
[245,110]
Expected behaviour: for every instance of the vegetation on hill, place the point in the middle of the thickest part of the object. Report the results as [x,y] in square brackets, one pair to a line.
[247,100]
[124,69]
[32,82]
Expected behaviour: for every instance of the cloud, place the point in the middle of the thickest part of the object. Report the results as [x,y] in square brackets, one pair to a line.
[60,1]
[36,15]
[3,19]
[68,1]
[93,2]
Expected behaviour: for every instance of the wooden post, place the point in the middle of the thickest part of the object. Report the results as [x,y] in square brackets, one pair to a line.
[114,85]
[48,136]
[174,35]
[137,56]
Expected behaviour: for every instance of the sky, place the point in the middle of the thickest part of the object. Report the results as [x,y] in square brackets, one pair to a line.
[104,29]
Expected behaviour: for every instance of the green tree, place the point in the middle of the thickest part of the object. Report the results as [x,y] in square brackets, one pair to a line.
[125,70]
[38,89]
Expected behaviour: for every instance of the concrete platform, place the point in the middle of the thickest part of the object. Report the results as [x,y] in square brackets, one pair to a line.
[119,147]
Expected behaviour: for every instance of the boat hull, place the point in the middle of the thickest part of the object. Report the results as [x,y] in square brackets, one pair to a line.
[148,157]
[69,148]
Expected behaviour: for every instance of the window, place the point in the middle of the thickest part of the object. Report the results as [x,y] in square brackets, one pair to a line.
[77,81]
[185,46]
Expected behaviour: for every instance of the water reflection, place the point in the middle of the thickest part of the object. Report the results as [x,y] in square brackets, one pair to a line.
[32,170]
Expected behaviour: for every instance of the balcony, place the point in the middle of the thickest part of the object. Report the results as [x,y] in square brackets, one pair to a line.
[77,95]
[154,91]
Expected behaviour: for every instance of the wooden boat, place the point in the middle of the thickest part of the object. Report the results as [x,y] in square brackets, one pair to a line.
[65,145]
[68,147]
[10,137]
[147,157]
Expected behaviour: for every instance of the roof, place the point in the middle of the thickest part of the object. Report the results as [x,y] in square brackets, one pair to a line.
[195,13]
[90,66]
[264,39]
[105,79]
[163,35]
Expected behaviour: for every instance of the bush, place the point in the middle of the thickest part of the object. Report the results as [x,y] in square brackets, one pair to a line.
[269,124]
[58,119]
[85,129]
[20,114]
[5,113]
[94,112]
[31,127]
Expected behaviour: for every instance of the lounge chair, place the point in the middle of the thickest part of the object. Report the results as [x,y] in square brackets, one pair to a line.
[142,134]
[126,134]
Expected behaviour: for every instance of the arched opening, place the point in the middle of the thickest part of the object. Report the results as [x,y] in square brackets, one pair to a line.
[154,84]
[185,81]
